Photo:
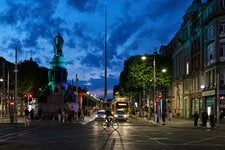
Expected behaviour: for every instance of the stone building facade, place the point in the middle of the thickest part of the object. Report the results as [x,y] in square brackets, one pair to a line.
[198,54]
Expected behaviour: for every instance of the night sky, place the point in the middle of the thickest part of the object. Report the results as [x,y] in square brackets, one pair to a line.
[134,27]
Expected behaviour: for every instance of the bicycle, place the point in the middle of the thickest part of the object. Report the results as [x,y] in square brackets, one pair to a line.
[112,123]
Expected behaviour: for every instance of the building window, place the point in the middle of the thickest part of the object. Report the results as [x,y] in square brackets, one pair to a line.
[211,54]
[222,76]
[211,33]
[222,50]
[209,10]
[222,29]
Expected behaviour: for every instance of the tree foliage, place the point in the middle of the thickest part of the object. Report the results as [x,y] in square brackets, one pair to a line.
[138,74]
[31,77]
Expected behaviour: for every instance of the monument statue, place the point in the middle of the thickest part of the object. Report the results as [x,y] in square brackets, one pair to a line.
[58,42]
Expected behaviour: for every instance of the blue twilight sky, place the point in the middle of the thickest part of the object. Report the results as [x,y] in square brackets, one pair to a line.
[134,27]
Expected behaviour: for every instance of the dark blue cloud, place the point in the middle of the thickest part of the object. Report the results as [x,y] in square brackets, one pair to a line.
[93,60]
[83,5]
[164,8]
[122,32]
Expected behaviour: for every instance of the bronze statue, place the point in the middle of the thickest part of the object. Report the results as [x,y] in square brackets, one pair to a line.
[58,42]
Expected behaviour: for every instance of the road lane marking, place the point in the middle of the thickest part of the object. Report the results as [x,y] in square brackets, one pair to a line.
[4,138]
[202,140]
[154,139]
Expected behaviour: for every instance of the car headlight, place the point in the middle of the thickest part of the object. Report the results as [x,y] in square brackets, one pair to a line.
[104,116]
[115,115]
[125,116]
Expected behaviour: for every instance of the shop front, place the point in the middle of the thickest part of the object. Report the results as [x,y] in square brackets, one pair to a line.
[196,102]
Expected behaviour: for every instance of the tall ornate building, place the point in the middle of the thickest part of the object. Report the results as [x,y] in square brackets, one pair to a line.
[198,53]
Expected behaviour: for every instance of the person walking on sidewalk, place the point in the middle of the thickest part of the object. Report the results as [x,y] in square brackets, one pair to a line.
[212,120]
[164,117]
[196,116]
[204,118]
[59,114]
[27,117]
[64,116]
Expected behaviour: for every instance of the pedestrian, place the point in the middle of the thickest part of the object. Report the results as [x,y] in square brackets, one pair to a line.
[164,117]
[212,119]
[64,115]
[27,117]
[204,118]
[11,111]
[32,114]
[59,114]
[69,115]
[196,117]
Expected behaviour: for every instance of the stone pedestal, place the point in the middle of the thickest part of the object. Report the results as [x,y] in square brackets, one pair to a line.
[54,101]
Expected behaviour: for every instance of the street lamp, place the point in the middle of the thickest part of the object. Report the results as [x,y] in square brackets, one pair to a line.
[148,102]
[1,80]
[154,85]
[154,88]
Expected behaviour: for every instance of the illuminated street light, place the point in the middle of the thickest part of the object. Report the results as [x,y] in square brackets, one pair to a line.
[164,70]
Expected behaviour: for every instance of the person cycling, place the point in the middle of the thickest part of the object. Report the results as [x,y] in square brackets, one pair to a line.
[108,115]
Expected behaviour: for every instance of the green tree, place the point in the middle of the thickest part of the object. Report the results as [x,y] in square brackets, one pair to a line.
[31,77]
[138,73]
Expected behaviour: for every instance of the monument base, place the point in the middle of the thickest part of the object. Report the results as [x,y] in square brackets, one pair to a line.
[54,101]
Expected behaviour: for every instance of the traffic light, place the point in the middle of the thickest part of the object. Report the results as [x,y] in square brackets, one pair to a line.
[159,95]
[30,97]
[25,97]
[11,102]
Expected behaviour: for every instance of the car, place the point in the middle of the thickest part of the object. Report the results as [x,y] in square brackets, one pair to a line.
[120,115]
[100,115]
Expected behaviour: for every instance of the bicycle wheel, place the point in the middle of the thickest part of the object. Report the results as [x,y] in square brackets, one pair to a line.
[104,125]
[115,125]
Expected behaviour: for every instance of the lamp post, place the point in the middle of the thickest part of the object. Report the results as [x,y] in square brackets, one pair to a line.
[154,90]
[1,80]
[148,101]
[77,103]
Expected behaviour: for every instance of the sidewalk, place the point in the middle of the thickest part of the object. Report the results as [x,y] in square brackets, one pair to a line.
[20,120]
[6,120]
[177,122]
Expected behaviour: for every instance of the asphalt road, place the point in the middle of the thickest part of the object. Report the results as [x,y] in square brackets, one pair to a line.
[91,136]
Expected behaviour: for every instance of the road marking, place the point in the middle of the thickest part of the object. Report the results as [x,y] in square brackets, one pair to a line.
[15,134]
[154,139]
[202,140]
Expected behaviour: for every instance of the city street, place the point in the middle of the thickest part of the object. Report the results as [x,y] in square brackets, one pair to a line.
[130,136]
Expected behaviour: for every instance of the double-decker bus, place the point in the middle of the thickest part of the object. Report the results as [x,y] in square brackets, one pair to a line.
[120,103]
